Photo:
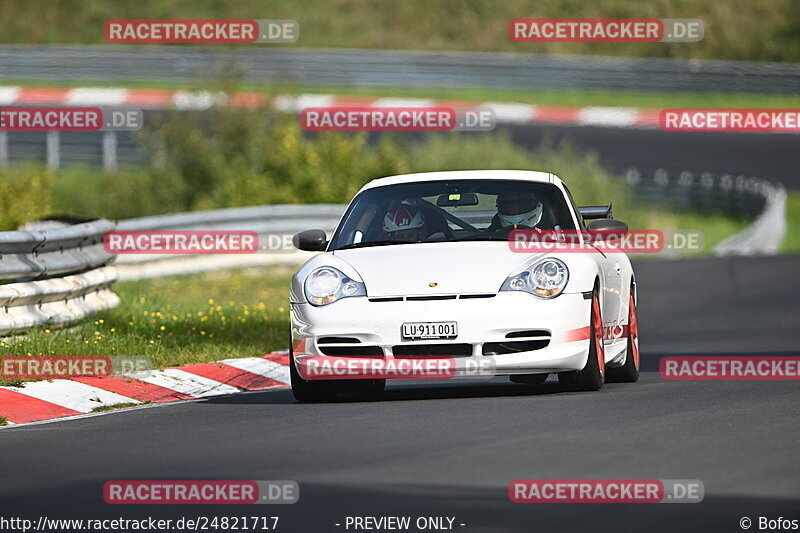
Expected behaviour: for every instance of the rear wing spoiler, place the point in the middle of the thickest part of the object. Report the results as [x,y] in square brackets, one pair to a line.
[592,212]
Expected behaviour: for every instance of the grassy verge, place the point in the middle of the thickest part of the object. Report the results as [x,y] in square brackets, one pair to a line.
[734,29]
[114,407]
[791,242]
[181,320]
[554,97]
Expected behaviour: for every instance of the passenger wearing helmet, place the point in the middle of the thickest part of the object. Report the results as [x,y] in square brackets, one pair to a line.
[516,211]
[404,223]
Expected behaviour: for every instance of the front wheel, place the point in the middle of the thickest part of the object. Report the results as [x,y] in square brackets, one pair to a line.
[591,376]
[309,391]
[629,372]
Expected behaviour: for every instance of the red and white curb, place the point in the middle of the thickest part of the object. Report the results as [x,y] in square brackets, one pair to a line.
[45,400]
[505,112]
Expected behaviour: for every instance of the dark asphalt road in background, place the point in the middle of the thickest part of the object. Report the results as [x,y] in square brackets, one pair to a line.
[450,449]
[756,155]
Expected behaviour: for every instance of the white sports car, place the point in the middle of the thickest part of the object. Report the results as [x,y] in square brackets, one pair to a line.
[420,269]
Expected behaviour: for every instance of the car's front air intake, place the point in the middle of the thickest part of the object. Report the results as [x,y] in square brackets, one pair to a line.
[351,351]
[455,350]
[500,348]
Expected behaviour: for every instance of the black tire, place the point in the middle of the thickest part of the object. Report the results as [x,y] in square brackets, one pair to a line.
[309,391]
[629,372]
[591,376]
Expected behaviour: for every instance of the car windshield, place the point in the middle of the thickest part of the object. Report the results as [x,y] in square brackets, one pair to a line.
[447,211]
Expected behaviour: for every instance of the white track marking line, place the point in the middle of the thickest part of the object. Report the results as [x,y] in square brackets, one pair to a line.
[184,382]
[197,100]
[300,102]
[9,95]
[511,113]
[403,102]
[608,116]
[71,394]
[97,96]
[262,367]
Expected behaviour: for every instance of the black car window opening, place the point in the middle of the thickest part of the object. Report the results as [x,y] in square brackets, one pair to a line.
[363,223]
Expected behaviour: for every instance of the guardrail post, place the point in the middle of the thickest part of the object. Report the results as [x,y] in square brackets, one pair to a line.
[3,149]
[53,150]
[109,151]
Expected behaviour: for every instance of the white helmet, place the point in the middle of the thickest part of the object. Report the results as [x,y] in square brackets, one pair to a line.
[404,222]
[518,210]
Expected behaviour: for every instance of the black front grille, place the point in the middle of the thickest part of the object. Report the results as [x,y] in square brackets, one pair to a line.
[500,348]
[456,350]
[351,351]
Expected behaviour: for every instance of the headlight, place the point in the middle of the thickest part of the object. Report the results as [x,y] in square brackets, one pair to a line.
[325,285]
[545,279]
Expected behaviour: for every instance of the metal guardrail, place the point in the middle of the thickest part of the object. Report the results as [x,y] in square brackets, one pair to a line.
[57,276]
[760,199]
[765,234]
[391,68]
[266,221]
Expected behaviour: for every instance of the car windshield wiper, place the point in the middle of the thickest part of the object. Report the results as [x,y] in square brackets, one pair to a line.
[372,243]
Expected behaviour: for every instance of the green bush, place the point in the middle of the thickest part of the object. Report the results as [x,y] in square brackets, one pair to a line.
[734,29]
[232,157]
[25,194]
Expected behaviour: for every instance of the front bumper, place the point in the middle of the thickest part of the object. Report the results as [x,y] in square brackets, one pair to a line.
[480,321]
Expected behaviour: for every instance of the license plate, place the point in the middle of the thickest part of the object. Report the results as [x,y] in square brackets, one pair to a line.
[429,330]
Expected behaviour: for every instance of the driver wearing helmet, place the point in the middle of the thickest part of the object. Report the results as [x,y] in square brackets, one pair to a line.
[404,223]
[516,211]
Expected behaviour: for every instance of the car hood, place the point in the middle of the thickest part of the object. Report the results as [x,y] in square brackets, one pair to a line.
[475,267]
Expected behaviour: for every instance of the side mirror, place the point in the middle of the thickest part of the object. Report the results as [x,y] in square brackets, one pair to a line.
[607,229]
[311,240]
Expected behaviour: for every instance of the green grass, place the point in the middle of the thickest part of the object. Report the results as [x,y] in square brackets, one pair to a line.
[554,97]
[114,407]
[3,421]
[715,228]
[180,320]
[791,242]
[734,29]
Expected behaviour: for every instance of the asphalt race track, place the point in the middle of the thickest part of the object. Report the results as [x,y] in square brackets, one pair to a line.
[450,449]
[751,154]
